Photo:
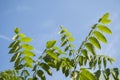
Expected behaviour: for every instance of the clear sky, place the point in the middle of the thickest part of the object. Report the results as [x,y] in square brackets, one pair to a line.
[40,19]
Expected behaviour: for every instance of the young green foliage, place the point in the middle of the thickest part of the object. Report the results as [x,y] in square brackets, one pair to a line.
[79,64]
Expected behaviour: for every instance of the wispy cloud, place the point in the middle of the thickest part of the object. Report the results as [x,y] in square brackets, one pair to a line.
[5,37]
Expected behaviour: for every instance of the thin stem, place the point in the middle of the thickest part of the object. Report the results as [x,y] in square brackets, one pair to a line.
[82,46]
[37,62]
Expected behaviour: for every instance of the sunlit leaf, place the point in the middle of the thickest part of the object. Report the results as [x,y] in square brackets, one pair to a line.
[50,44]
[28,53]
[16,30]
[28,59]
[27,47]
[90,47]
[105,19]
[21,35]
[58,49]
[84,52]
[86,75]
[95,42]
[68,33]
[26,39]
[104,29]
[52,54]
[100,36]
[71,39]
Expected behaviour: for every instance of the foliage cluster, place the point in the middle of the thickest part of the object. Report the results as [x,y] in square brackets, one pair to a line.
[82,64]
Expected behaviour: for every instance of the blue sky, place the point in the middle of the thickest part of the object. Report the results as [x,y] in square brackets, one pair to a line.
[40,19]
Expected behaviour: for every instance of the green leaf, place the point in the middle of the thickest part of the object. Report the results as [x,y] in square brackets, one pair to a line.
[58,65]
[84,52]
[104,29]
[116,71]
[28,59]
[97,74]
[29,65]
[86,75]
[67,72]
[72,46]
[104,62]
[16,30]
[14,44]
[99,62]
[40,73]
[71,39]
[18,61]
[48,58]
[58,49]
[64,43]
[100,36]
[111,60]
[95,62]
[15,49]
[27,47]
[50,44]
[66,48]
[28,53]
[91,63]
[68,33]
[95,42]
[25,73]
[52,64]
[81,60]
[63,38]
[63,69]
[46,68]
[14,57]
[107,71]
[75,75]
[26,39]
[105,19]
[21,35]
[19,67]
[52,54]
[90,47]
[61,31]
